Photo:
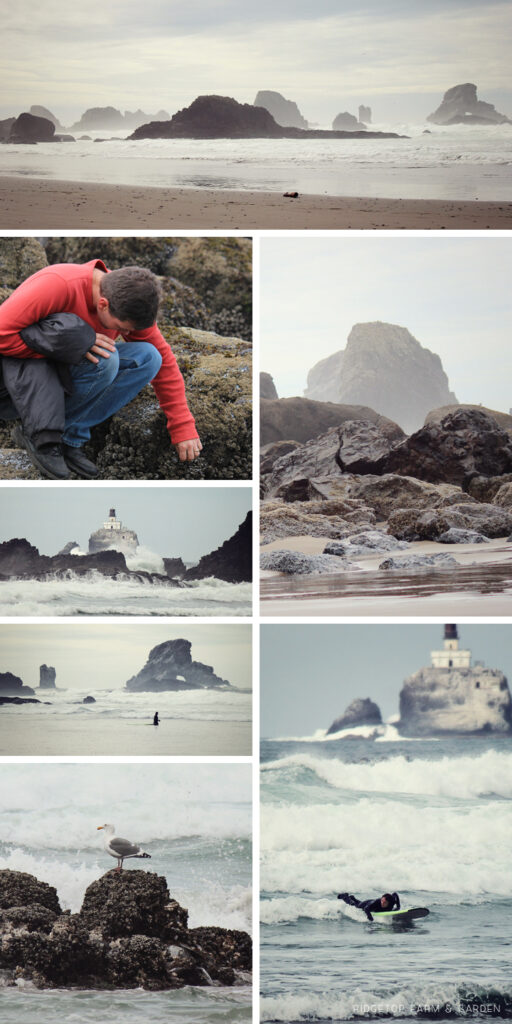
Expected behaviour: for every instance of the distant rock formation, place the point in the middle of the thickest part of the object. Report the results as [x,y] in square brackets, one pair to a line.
[28,129]
[231,562]
[175,568]
[13,686]
[113,535]
[346,122]
[362,711]
[5,128]
[457,700]
[21,560]
[301,419]
[365,114]
[47,676]
[221,117]
[284,111]
[386,368]
[39,111]
[267,386]
[170,667]
[129,934]
[461,106]
[111,119]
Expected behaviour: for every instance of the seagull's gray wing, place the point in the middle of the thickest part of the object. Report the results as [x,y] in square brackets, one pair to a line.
[123,847]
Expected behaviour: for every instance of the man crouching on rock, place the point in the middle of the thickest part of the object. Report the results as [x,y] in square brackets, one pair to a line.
[64,370]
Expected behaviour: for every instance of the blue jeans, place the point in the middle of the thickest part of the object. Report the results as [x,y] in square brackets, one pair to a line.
[101,389]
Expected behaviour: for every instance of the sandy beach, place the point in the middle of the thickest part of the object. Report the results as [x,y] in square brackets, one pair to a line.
[37,203]
[480,585]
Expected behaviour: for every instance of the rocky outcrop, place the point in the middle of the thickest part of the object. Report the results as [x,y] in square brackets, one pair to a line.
[362,711]
[13,686]
[367,542]
[431,524]
[129,933]
[28,129]
[21,560]
[38,111]
[365,114]
[5,128]
[408,562]
[294,563]
[175,568]
[284,111]
[346,122]
[120,540]
[301,419]
[170,667]
[221,117]
[503,419]
[231,562]
[47,676]
[336,517]
[461,106]
[267,387]
[111,119]
[383,366]
[19,258]
[455,700]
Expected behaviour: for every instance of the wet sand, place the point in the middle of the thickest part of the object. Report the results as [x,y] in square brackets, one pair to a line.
[481,585]
[23,732]
[38,203]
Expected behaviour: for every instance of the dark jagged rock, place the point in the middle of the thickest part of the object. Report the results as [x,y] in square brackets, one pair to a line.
[47,676]
[367,542]
[362,444]
[129,934]
[12,686]
[294,563]
[21,700]
[89,700]
[461,106]
[270,453]
[267,387]
[503,419]
[213,117]
[30,129]
[284,111]
[19,559]
[455,700]
[384,367]
[430,524]
[464,444]
[346,122]
[170,667]
[71,545]
[332,517]
[231,562]
[175,568]
[362,711]
[302,419]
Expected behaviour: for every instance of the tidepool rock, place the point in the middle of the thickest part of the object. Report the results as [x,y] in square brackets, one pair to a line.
[430,524]
[330,518]
[390,493]
[294,563]
[362,711]
[19,258]
[170,667]
[419,562]
[368,542]
[455,536]
[457,700]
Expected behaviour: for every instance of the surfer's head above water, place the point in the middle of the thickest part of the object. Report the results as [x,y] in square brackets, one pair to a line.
[386,901]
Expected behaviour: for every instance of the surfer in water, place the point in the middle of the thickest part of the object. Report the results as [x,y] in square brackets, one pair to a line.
[389,901]
[156,720]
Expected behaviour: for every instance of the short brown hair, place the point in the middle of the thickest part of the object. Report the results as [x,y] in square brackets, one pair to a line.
[133,294]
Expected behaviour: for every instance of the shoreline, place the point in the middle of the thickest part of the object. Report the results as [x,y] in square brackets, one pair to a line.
[40,203]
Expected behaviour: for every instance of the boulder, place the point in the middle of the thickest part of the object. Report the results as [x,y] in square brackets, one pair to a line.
[430,524]
[301,419]
[30,129]
[383,366]
[89,700]
[137,906]
[12,686]
[390,493]
[294,563]
[47,676]
[284,111]
[170,667]
[231,562]
[503,419]
[175,568]
[270,453]
[419,562]
[361,711]
[368,542]
[362,445]
[346,122]
[267,387]
[19,258]
[330,518]
[455,700]
[458,536]
[485,488]
[461,106]
[19,889]
[503,497]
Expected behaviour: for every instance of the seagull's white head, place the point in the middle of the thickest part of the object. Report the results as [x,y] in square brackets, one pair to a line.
[108,828]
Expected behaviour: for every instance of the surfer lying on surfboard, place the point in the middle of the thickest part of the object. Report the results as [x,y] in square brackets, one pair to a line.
[389,901]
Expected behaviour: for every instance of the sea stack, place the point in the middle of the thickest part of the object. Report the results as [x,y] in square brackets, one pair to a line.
[362,711]
[452,695]
[113,534]
[47,676]
[170,667]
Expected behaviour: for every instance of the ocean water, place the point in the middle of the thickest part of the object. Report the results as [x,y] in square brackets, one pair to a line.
[431,819]
[195,722]
[194,820]
[95,594]
[458,162]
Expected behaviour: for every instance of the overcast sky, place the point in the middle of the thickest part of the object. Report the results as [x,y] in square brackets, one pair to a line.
[452,294]
[89,656]
[311,673]
[185,522]
[398,55]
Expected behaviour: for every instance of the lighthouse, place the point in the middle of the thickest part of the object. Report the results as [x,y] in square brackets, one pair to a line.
[113,534]
[452,656]
[112,523]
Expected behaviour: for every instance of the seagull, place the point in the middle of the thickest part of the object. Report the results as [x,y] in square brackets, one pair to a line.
[120,848]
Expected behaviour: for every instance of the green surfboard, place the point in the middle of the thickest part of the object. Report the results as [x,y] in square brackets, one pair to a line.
[400,916]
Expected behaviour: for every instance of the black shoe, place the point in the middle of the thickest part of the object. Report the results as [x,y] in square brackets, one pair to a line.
[47,459]
[78,462]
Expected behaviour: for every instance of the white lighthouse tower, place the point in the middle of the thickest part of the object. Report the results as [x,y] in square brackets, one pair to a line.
[112,523]
[452,656]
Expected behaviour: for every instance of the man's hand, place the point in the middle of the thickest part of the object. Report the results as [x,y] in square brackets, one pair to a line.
[103,347]
[188,450]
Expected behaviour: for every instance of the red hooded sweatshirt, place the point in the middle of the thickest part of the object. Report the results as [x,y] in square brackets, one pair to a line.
[67,288]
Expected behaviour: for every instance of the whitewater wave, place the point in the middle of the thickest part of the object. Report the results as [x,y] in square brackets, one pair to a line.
[423,1001]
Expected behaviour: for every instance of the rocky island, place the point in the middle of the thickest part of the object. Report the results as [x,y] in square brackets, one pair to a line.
[170,667]
[361,711]
[130,933]
[284,111]
[460,105]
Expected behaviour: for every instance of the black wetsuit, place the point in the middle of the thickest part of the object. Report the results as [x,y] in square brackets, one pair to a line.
[370,906]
